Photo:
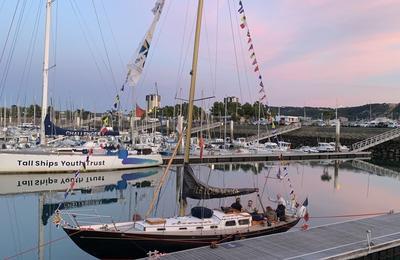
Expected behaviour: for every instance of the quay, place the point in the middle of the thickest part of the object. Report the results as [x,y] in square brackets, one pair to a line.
[367,238]
[286,156]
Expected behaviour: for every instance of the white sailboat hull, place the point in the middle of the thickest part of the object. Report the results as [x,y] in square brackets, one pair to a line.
[52,162]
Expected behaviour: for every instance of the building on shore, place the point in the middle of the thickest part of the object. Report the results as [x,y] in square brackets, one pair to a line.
[153,101]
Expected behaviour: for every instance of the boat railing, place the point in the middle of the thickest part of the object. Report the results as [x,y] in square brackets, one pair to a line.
[88,218]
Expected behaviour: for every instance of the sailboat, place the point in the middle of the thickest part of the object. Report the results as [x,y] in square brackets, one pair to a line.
[135,239]
[47,159]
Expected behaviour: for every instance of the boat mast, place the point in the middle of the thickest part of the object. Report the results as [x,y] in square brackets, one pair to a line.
[191,93]
[45,71]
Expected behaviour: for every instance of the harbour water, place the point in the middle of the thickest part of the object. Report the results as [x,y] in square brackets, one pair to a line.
[27,202]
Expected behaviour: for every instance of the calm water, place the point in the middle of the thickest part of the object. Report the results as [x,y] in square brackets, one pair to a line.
[28,201]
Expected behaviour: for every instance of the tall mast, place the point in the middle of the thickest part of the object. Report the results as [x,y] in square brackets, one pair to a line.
[45,71]
[182,202]
[193,79]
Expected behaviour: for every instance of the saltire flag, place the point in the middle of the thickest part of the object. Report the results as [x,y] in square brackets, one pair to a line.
[253,54]
[250,48]
[254,62]
[256,69]
[242,25]
[248,33]
[241,10]
[261,84]
[249,40]
[104,119]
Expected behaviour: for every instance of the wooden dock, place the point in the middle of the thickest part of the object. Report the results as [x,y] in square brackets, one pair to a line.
[287,156]
[345,240]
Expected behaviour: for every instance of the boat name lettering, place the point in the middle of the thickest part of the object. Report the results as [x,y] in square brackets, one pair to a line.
[50,164]
[52,181]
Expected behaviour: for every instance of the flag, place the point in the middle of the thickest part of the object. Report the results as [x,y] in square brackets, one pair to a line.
[261,90]
[104,119]
[256,69]
[123,87]
[251,47]
[248,33]
[242,25]
[261,84]
[77,173]
[253,54]
[139,111]
[66,194]
[116,102]
[254,62]
[249,40]
[305,203]
[263,97]
[241,10]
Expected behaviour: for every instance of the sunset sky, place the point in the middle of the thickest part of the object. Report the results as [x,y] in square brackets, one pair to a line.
[310,52]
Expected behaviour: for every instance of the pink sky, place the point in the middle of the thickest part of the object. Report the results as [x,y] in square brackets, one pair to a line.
[311,52]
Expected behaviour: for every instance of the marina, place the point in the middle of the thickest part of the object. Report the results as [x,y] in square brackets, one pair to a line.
[238,152]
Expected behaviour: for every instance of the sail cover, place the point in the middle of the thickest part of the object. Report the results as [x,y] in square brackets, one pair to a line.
[51,129]
[135,68]
[195,189]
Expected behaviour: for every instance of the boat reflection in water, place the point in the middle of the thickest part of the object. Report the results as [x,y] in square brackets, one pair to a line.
[91,190]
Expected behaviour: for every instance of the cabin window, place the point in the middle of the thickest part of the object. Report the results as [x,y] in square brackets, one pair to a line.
[182,228]
[160,229]
[230,223]
[244,221]
[199,227]
[213,226]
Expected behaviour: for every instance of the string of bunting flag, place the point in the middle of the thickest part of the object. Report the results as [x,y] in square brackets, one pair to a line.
[253,58]
[57,216]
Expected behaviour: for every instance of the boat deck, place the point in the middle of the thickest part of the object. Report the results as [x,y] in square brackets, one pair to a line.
[343,240]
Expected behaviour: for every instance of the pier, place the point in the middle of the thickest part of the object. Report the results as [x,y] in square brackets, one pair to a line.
[287,156]
[368,238]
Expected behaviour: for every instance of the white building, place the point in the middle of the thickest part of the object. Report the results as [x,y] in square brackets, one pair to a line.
[287,120]
[153,101]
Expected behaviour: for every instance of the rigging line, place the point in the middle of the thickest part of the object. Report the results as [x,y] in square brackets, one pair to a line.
[55,40]
[9,31]
[32,43]
[234,48]
[179,83]
[105,48]
[216,51]
[112,34]
[208,49]
[246,65]
[181,48]
[13,45]
[82,24]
